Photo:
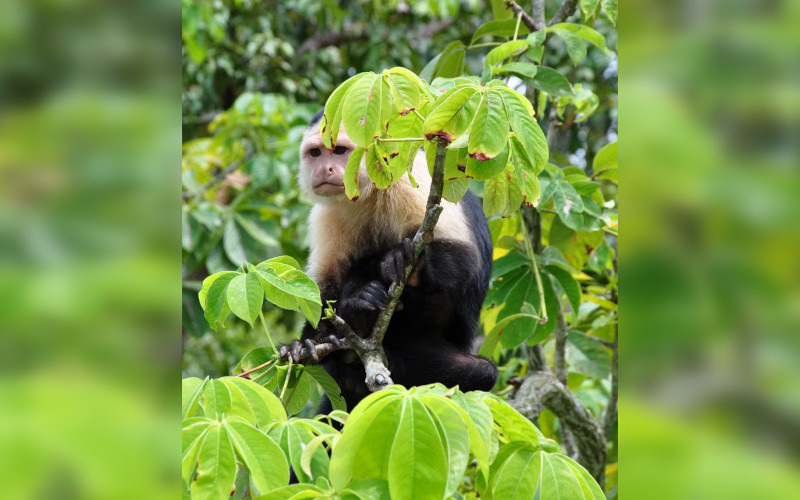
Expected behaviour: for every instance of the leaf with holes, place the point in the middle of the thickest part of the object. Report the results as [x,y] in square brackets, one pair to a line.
[361,110]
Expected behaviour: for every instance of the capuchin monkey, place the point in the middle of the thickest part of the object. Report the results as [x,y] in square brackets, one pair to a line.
[359,248]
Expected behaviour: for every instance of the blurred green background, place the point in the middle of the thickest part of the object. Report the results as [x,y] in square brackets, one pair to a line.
[91,247]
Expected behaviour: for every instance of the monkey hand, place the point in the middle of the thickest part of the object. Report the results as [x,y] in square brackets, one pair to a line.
[393,265]
[360,308]
[305,351]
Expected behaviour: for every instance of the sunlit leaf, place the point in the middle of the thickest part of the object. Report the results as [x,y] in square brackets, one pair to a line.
[262,457]
[489,132]
[245,296]
[216,470]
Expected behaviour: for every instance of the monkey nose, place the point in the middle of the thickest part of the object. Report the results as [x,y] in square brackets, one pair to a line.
[330,170]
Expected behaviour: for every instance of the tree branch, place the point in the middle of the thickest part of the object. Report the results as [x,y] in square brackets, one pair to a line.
[564,12]
[527,19]
[561,345]
[543,390]
[538,13]
[423,236]
[370,352]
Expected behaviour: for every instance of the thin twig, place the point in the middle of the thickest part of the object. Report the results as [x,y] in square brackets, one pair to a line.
[519,11]
[251,370]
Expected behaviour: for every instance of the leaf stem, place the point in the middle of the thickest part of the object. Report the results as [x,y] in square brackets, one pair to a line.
[407,139]
[286,381]
[480,45]
[516,28]
[251,370]
[419,115]
[266,330]
[529,250]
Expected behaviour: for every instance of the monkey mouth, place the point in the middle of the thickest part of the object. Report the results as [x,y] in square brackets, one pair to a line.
[328,188]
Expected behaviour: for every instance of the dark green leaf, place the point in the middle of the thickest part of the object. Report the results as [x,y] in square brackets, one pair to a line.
[551,81]
[328,385]
[568,284]
[504,27]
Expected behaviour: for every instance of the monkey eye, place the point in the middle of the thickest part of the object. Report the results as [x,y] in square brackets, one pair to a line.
[339,150]
[315,152]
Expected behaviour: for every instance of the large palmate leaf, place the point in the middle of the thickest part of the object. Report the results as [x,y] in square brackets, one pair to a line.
[213,297]
[417,440]
[520,470]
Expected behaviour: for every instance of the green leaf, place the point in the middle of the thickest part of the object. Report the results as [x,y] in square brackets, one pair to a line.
[489,132]
[584,32]
[378,171]
[589,357]
[520,69]
[232,243]
[480,425]
[515,473]
[606,158]
[588,7]
[559,480]
[514,426]
[256,231]
[451,64]
[361,110]
[216,399]
[294,438]
[245,296]
[213,296]
[417,463]
[294,492]
[332,116]
[451,423]
[508,263]
[503,27]
[526,130]
[482,170]
[262,457]
[328,385]
[288,280]
[351,171]
[253,402]
[495,194]
[610,9]
[506,50]
[589,487]
[568,284]
[191,389]
[569,205]
[576,47]
[552,82]
[498,333]
[216,470]
[452,113]
[366,442]
[404,90]
[193,432]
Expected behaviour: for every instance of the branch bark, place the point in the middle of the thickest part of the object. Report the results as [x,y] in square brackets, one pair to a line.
[543,390]
[423,236]
[564,12]
[526,18]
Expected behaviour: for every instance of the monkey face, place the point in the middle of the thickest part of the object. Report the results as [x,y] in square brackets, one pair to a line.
[322,169]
